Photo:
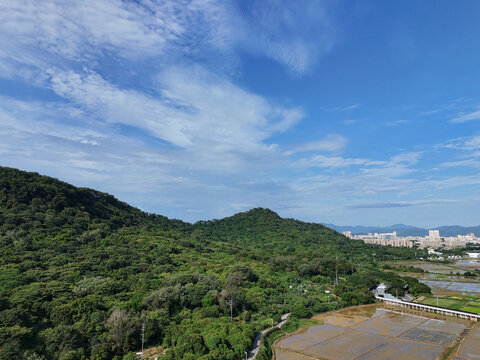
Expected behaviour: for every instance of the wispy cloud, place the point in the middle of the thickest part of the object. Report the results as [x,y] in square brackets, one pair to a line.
[396,122]
[293,35]
[37,35]
[330,143]
[464,117]
[346,108]
[196,109]
[325,161]
[387,205]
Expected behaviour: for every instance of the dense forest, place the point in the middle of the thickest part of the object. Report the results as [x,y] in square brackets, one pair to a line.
[81,272]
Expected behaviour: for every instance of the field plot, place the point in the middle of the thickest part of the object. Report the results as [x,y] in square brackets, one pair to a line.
[390,324]
[405,350]
[311,336]
[468,263]
[458,286]
[455,302]
[430,267]
[382,334]
[434,337]
[470,348]
[289,355]
[453,326]
[347,346]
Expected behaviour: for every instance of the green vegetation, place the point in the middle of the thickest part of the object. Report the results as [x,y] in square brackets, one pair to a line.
[81,271]
[404,268]
[458,302]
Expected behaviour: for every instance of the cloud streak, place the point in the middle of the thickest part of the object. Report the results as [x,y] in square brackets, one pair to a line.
[474,115]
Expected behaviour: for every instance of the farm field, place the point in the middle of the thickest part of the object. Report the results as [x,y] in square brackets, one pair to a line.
[456,302]
[445,280]
[374,332]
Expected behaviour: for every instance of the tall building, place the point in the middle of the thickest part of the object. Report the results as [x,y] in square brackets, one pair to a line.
[347,234]
[433,235]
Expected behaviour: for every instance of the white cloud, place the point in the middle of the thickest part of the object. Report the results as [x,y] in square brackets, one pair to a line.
[56,32]
[470,145]
[76,30]
[324,161]
[396,122]
[292,34]
[408,158]
[330,143]
[347,108]
[469,163]
[195,110]
[475,115]
[47,119]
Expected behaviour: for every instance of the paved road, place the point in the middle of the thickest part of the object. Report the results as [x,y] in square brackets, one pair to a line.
[254,352]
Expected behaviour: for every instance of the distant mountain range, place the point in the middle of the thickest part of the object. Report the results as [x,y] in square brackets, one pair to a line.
[407,230]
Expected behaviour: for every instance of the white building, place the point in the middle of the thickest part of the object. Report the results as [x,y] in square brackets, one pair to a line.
[434,235]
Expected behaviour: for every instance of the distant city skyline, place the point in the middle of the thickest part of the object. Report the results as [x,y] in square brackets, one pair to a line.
[358,112]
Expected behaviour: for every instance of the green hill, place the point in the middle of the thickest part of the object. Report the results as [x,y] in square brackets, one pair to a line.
[80,271]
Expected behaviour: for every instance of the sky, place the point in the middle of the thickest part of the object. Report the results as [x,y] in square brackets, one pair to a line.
[346,112]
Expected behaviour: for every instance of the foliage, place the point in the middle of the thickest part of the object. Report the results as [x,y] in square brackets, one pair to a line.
[80,272]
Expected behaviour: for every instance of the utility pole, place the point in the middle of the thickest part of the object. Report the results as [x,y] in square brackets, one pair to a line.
[437,299]
[143,335]
[230,302]
[336,271]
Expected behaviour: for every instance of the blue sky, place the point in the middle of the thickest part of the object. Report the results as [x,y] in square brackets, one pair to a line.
[346,112]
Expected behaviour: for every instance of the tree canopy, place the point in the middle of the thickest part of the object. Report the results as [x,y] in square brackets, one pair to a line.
[81,271]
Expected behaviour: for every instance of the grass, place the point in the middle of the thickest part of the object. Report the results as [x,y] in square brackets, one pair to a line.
[447,303]
[471,309]
[303,323]
[457,302]
[449,352]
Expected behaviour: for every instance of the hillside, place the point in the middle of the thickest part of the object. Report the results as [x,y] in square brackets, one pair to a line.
[29,201]
[80,271]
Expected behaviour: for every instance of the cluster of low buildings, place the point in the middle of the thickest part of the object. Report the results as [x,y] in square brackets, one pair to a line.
[433,240]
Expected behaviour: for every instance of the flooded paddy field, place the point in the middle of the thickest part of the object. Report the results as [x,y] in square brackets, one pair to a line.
[470,263]
[470,347]
[374,332]
[471,287]
[430,267]
[445,278]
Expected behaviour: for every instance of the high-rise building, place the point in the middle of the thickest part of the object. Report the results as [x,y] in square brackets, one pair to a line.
[433,234]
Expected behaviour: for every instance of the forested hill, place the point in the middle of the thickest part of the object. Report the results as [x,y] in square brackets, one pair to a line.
[29,201]
[264,228]
[81,271]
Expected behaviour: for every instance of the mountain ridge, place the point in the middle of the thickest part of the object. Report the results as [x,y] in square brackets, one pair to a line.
[407,230]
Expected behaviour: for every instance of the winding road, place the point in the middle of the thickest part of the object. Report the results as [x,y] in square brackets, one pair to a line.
[256,343]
